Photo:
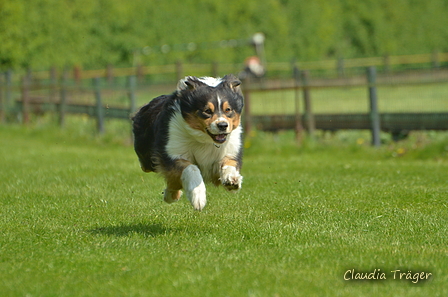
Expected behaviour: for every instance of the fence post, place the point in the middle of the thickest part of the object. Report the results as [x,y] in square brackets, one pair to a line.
[63,99]
[247,111]
[110,74]
[2,102]
[179,70]
[131,94]
[386,60]
[8,83]
[25,98]
[77,73]
[340,67]
[298,127]
[215,67]
[435,60]
[139,71]
[99,105]
[373,100]
[53,85]
[309,116]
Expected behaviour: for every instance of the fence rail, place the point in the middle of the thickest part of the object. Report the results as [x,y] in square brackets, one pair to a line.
[177,70]
[63,98]
[296,97]
[301,116]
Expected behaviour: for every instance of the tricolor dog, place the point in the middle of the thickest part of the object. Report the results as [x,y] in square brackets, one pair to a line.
[192,137]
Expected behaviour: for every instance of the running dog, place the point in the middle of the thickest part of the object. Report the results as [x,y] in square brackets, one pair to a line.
[192,137]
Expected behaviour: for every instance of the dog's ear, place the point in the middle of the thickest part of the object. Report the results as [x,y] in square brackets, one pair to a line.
[188,83]
[232,82]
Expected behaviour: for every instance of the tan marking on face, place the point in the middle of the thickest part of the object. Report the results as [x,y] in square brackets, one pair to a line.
[199,123]
[214,117]
[211,106]
[225,106]
[195,122]
[234,121]
[209,121]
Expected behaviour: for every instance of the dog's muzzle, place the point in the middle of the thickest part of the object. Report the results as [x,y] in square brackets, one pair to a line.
[218,138]
[218,131]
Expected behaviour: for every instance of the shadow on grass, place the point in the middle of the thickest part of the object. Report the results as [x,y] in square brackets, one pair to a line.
[150,230]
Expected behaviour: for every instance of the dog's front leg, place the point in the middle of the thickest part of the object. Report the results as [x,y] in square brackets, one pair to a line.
[230,176]
[194,186]
[185,175]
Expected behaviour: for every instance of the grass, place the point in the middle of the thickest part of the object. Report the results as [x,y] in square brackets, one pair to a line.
[79,218]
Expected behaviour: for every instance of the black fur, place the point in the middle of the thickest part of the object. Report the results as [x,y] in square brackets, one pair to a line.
[151,122]
[150,128]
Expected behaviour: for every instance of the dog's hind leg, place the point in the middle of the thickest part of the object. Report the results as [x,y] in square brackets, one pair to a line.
[170,195]
[173,191]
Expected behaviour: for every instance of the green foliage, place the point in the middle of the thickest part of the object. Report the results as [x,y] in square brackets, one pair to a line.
[44,33]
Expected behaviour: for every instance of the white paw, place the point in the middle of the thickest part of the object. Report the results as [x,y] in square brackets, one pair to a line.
[197,197]
[231,178]
[194,186]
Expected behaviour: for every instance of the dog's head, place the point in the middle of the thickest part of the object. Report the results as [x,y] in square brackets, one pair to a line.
[211,105]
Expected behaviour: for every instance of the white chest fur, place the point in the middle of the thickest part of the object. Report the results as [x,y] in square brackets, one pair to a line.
[197,147]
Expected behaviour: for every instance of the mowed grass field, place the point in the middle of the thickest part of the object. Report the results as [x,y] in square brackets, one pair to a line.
[79,218]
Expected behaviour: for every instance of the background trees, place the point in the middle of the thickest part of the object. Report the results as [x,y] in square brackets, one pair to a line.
[44,33]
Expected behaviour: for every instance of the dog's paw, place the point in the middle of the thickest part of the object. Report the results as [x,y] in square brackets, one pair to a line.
[194,186]
[170,196]
[231,178]
[197,197]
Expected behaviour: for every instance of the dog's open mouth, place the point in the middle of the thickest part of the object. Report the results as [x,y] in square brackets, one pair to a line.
[218,138]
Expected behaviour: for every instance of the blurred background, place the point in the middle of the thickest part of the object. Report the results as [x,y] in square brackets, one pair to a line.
[94,33]
[301,61]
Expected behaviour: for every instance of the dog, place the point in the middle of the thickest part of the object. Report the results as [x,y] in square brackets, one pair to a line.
[192,137]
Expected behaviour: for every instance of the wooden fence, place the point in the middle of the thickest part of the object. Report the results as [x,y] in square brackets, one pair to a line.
[30,97]
[25,96]
[397,123]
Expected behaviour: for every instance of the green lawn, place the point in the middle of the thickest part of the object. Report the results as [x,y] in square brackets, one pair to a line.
[79,218]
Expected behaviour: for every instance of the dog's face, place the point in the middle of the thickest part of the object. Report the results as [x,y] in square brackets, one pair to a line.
[211,105]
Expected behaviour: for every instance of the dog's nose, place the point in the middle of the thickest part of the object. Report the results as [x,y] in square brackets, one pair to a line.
[222,126]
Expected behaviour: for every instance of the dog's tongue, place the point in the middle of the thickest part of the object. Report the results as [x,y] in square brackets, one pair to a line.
[220,137]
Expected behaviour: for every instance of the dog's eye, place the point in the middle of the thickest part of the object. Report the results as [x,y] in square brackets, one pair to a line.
[208,111]
[228,110]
